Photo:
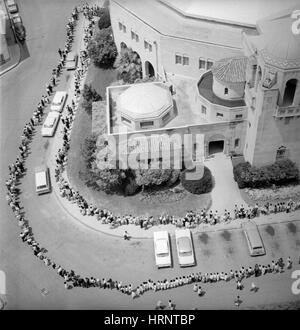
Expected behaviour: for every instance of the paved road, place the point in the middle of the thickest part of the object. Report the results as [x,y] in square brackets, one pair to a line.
[88,252]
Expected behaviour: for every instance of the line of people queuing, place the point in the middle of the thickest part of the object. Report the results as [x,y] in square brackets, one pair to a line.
[17,170]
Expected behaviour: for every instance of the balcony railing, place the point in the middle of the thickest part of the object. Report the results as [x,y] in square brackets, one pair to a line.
[283,112]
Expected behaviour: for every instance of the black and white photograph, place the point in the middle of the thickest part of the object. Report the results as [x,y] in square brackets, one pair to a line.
[150,157]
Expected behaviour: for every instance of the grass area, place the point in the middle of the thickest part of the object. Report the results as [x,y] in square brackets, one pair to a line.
[82,128]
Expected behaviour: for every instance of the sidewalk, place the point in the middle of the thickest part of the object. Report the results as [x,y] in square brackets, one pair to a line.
[135,231]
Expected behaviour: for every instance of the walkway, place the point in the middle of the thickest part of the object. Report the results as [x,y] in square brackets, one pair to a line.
[225,193]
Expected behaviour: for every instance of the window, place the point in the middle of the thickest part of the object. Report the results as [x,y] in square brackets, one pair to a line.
[132,35]
[137,38]
[178,59]
[203,109]
[125,120]
[166,117]
[226,91]
[236,143]
[202,63]
[146,124]
[150,48]
[209,64]
[249,124]
[120,26]
[185,60]
[239,116]
[146,44]
[219,114]
[289,92]
[124,28]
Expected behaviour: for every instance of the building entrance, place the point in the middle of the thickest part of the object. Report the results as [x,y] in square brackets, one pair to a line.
[215,147]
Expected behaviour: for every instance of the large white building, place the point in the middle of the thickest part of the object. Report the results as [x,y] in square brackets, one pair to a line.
[242,60]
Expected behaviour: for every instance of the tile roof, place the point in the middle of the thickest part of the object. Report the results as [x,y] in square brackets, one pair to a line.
[230,70]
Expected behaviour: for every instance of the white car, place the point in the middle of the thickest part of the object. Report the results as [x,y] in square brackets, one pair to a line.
[58,101]
[50,124]
[16,18]
[12,6]
[42,180]
[184,246]
[162,249]
[71,61]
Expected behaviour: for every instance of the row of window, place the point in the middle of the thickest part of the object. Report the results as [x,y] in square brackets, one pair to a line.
[219,114]
[184,60]
[134,36]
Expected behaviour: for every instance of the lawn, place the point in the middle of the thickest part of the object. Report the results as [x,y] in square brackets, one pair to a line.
[82,128]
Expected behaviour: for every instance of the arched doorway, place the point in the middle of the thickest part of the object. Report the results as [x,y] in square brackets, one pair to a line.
[289,92]
[149,69]
[216,144]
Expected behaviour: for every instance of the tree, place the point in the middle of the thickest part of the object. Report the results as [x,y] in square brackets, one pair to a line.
[155,176]
[104,20]
[129,66]
[111,180]
[102,49]
[90,95]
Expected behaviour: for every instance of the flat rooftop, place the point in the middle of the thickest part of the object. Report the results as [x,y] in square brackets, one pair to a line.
[186,114]
[205,90]
[235,11]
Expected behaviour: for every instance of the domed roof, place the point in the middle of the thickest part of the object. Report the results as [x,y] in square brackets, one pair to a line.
[277,44]
[145,100]
[230,70]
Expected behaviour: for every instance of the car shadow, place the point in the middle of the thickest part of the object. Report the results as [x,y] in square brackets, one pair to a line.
[24,52]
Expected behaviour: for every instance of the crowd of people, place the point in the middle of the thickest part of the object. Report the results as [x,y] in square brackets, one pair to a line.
[17,170]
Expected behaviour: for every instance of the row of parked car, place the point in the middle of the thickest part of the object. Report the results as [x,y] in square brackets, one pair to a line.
[16,20]
[58,102]
[184,245]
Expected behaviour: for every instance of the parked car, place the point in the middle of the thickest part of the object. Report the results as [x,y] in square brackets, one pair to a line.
[184,246]
[50,123]
[16,18]
[20,31]
[254,241]
[71,61]
[162,249]
[42,180]
[58,101]
[12,6]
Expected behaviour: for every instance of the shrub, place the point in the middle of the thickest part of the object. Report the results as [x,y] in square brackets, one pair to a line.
[102,49]
[280,173]
[129,66]
[131,187]
[104,20]
[90,95]
[156,176]
[201,186]
[88,150]
[111,180]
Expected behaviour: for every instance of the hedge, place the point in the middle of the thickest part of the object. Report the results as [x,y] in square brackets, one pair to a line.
[280,173]
[201,186]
